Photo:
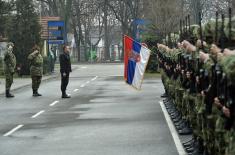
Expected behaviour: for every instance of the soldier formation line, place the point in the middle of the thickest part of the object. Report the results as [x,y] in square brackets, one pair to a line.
[198,73]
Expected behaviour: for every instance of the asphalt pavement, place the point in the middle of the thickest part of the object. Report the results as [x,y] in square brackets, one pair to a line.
[105,116]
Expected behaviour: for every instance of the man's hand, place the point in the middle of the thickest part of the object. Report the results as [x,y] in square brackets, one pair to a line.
[217,102]
[228,52]
[188,46]
[64,74]
[203,56]
[199,44]
[215,49]
[226,111]
[36,52]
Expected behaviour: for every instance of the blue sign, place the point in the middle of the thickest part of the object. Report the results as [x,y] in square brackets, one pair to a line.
[59,42]
[138,28]
[55,23]
[56,32]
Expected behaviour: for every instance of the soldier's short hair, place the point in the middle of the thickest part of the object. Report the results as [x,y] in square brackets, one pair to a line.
[64,46]
[36,47]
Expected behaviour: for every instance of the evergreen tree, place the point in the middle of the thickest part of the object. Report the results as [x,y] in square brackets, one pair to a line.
[24,31]
[4,13]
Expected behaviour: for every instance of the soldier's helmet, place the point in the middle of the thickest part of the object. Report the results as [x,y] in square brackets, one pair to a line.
[227,29]
[209,30]
[194,33]
[228,64]
[10,44]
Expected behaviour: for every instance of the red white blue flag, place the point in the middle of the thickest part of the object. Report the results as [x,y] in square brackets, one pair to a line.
[136,58]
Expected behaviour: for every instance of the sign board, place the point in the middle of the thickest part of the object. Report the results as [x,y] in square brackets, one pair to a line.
[56,32]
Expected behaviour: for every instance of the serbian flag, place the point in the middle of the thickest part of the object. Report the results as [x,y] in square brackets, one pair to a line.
[136,58]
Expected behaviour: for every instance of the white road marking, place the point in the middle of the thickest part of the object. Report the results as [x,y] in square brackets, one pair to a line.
[75,90]
[83,67]
[54,103]
[174,133]
[83,85]
[37,114]
[88,82]
[94,78]
[13,130]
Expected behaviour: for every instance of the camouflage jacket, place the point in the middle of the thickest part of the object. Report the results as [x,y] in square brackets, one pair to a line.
[9,62]
[36,64]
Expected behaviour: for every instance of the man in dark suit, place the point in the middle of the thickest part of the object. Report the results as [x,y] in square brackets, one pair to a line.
[65,69]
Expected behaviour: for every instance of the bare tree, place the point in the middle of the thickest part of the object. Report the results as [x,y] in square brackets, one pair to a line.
[164,14]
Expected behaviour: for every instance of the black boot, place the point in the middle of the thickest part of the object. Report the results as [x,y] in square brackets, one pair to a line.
[64,95]
[8,94]
[38,93]
[35,93]
[164,95]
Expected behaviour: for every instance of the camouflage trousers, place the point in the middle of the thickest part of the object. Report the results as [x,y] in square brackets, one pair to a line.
[9,80]
[163,77]
[36,81]
[230,141]
[185,105]
[211,135]
[220,135]
[171,87]
[200,129]
[191,111]
[179,97]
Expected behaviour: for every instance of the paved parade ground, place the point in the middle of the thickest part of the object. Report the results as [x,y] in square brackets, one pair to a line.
[104,117]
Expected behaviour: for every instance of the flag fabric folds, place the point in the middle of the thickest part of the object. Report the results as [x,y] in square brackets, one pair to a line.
[136,58]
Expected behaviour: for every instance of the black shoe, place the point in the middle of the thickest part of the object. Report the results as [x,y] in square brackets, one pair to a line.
[190,150]
[188,142]
[66,96]
[8,94]
[196,152]
[185,131]
[36,94]
[39,94]
[164,95]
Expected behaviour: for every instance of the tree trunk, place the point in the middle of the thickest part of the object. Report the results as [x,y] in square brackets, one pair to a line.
[196,5]
[77,42]
[106,36]
[233,7]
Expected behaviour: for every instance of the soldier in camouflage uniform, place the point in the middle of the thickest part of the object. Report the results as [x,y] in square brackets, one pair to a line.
[9,68]
[36,69]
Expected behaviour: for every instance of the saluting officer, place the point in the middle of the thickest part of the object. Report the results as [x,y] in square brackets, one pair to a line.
[36,69]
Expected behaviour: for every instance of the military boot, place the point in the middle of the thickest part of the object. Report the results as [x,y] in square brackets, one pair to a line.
[64,95]
[36,94]
[8,94]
